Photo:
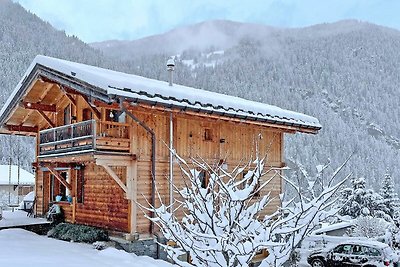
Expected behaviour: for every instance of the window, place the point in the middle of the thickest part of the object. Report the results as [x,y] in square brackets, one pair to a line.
[80,186]
[58,189]
[52,192]
[87,114]
[112,115]
[372,252]
[342,249]
[67,115]
[208,134]
[203,177]
[357,250]
[63,190]
[243,184]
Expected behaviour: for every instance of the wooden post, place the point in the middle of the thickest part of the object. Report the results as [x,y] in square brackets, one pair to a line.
[73,209]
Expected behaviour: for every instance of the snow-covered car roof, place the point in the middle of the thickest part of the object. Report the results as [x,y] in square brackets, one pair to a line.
[143,90]
[363,242]
[332,227]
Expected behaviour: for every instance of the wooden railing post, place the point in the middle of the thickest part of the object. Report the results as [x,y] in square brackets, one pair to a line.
[94,134]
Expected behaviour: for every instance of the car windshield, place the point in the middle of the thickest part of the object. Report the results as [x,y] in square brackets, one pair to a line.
[342,249]
[372,251]
[358,250]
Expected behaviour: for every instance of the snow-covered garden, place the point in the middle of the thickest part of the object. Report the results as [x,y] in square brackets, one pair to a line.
[224,224]
[22,248]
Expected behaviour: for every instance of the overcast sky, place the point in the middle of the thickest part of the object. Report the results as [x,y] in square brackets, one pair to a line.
[99,20]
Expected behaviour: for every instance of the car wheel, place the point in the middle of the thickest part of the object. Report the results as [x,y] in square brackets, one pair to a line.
[318,263]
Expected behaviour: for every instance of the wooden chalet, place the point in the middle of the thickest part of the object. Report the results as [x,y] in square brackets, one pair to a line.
[102,137]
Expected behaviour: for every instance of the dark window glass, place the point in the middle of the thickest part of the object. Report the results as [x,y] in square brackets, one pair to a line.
[67,115]
[208,134]
[203,179]
[80,184]
[86,114]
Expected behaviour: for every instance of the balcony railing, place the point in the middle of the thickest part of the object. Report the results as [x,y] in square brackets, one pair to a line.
[83,136]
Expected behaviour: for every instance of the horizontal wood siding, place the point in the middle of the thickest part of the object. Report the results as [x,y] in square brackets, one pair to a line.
[104,204]
[233,143]
[39,193]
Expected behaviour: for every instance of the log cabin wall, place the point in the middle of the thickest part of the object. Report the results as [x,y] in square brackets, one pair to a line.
[104,203]
[211,140]
[39,193]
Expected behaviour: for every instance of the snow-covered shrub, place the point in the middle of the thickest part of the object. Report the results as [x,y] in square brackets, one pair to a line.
[370,227]
[223,223]
[78,233]
[360,201]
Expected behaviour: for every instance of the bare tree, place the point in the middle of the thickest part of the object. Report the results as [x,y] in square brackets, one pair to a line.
[223,222]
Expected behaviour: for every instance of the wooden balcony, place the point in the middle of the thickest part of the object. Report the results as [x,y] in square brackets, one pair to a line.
[85,136]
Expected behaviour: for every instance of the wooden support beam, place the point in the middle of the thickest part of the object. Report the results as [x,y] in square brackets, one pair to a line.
[20,128]
[94,110]
[59,177]
[71,99]
[113,175]
[131,180]
[47,119]
[27,116]
[39,107]
[102,104]
[45,91]
[115,160]
[54,164]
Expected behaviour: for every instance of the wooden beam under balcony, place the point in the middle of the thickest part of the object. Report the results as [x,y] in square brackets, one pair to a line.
[20,128]
[59,177]
[94,110]
[71,99]
[39,106]
[47,119]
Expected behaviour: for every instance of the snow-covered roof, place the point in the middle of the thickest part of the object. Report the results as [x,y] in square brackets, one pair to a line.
[25,177]
[143,90]
[333,227]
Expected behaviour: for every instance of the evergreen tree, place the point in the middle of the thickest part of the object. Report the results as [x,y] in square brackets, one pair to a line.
[390,198]
[359,201]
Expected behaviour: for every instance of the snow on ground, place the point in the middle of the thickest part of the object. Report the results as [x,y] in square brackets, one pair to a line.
[18,218]
[22,248]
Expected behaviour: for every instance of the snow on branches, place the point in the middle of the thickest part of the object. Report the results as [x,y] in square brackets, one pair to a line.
[224,221]
[359,201]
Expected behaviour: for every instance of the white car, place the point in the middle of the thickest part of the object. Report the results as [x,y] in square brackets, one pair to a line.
[355,253]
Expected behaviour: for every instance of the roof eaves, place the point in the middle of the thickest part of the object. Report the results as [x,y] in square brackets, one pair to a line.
[73,83]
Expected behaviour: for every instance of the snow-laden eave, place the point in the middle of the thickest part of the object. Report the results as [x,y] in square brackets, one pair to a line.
[153,101]
[17,93]
[102,83]
[39,71]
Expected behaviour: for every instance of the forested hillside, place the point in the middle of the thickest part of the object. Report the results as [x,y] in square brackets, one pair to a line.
[345,73]
[22,37]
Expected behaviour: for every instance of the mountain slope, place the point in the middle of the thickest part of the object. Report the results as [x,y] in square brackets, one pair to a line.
[344,73]
[219,34]
[22,37]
